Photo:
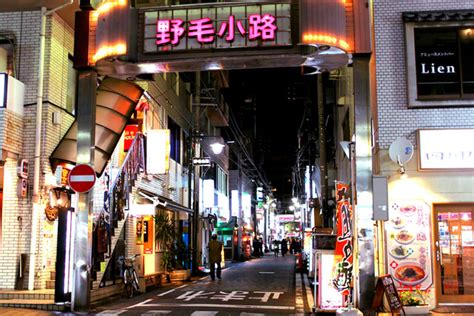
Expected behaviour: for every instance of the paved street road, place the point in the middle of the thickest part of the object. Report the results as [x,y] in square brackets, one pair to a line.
[263,286]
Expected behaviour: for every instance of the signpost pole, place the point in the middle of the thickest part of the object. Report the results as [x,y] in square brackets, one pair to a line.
[86,98]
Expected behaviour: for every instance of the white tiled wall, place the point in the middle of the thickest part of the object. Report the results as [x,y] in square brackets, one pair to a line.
[395,119]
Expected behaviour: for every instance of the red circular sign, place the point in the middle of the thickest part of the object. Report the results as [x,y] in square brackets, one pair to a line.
[81,178]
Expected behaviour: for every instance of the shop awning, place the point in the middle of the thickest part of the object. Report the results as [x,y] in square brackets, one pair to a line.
[164,202]
[116,101]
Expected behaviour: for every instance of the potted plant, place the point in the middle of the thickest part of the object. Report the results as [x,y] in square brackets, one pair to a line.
[164,236]
[414,302]
[172,247]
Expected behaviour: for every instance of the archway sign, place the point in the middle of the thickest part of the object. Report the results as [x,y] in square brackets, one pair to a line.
[135,41]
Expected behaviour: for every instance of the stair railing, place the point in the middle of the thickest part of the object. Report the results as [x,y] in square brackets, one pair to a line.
[116,198]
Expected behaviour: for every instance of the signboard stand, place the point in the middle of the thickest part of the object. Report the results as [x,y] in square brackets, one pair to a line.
[386,286]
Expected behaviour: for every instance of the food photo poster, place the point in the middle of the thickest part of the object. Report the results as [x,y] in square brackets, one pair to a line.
[408,244]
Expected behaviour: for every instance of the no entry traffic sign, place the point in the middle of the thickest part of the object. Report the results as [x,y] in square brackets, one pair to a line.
[82,178]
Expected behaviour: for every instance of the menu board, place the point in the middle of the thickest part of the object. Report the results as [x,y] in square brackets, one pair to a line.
[408,244]
[386,285]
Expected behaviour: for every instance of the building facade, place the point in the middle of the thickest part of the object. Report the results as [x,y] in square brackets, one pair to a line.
[423,122]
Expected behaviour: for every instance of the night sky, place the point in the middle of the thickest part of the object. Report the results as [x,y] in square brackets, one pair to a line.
[275,97]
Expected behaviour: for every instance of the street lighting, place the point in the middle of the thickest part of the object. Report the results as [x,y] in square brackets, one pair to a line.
[217,148]
[197,162]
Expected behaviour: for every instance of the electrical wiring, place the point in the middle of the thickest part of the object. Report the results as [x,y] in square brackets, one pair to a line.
[163,94]
[238,135]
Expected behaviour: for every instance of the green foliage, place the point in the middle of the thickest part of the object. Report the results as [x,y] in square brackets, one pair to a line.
[413,298]
[167,261]
[169,240]
[165,231]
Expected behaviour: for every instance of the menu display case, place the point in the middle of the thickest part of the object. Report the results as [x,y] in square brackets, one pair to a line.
[408,244]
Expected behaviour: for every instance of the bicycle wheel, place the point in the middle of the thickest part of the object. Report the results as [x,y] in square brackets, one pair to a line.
[135,281]
[128,286]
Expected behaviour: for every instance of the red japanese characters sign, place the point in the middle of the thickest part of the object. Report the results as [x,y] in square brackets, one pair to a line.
[129,134]
[343,254]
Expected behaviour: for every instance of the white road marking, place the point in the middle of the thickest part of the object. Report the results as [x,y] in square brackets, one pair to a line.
[156,313]
[144,304]
[203,313]
[112,312]
[140,304]
[299,294]
[172,290]
[205,277]
[167,292]
[266,272]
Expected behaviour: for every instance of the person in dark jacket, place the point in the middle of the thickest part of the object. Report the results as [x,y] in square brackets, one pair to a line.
[215,256]
[276,247]
[284,247]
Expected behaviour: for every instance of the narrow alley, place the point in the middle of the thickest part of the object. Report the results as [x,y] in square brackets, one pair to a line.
[263,286]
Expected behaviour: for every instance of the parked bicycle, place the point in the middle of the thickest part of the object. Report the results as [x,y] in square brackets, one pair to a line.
[130,277]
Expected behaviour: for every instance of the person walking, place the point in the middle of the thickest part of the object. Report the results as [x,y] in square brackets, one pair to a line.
[255,247]
[260,247]
[215,256]
[275,246]
[284,247]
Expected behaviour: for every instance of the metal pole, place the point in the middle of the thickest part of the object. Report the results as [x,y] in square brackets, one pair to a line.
[36,174]
[86,98]
[322,149]
[195,170]
[363,212]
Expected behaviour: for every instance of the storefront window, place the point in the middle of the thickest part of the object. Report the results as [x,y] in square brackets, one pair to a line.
[454,244]
[444,69]
[439,64]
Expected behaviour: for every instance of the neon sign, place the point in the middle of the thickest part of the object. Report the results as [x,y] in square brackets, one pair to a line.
[171,31]
[222,26]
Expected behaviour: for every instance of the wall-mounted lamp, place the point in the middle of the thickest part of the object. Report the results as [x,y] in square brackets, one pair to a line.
[402,170]
[217,148]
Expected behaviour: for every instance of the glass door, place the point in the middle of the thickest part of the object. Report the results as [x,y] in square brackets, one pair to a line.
[454,242]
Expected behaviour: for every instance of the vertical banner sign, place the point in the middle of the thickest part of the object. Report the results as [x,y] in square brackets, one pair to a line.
[343,256]
[129,134]
[158,151]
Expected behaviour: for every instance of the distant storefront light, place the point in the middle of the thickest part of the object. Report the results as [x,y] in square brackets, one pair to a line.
[208,196]
[246,205]
[235,202]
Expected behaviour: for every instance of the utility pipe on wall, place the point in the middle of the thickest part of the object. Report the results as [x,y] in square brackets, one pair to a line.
[38,139]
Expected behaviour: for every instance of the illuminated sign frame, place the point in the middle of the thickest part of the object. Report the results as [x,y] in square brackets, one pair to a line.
[445,149]
[221,27]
